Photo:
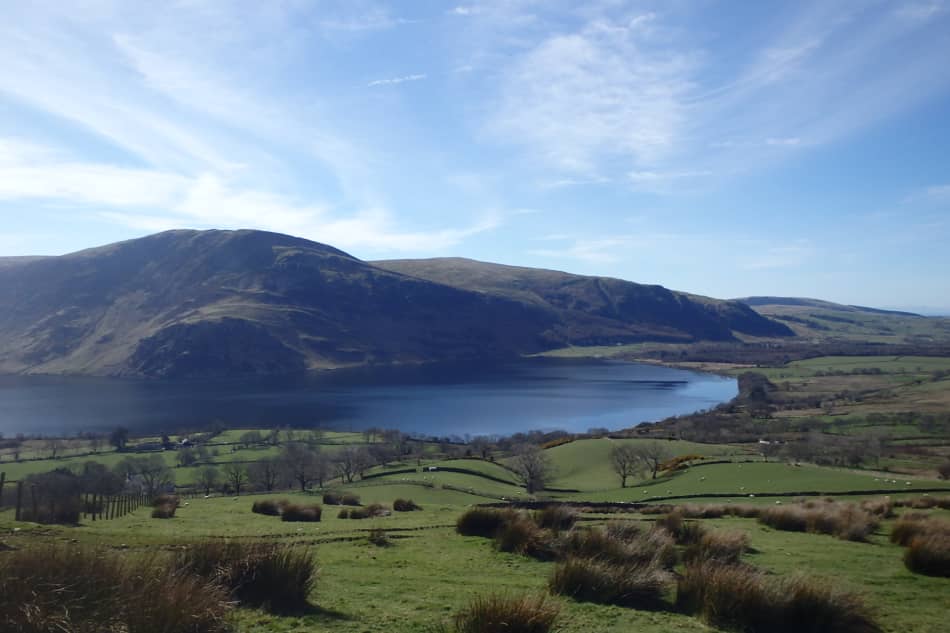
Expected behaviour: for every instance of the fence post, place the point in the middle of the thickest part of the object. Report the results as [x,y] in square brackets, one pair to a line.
[36,509]
[3,480]
[19,498]
[94,507]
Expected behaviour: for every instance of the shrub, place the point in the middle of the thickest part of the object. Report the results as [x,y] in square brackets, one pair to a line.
[502,614]
[556,517]
[271,575]
[74,589]
[740,598]
[724,547]
[164,511]
[602,582]
[483,521]
[270,507]
[368,512]
[302,513]
[166,499]
[350,500]
[929,554]
[405,505]
[344,513]
[332,499]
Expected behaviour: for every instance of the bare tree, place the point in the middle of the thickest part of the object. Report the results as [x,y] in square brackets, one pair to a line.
[208,478]
[301,463]
[769,448]
[54,446]
[265,473]
[653,454]
[532,466]
[346,463]
[154,472]
[236,476]
[625,461]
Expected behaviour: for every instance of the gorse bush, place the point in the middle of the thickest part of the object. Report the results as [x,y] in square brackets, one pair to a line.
[274,576]
[604,582]
[504,614]
[301,513]
[56,589]
[740,598]
[405,505]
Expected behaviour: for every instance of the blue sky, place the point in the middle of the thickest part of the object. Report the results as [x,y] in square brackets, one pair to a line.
[724,148]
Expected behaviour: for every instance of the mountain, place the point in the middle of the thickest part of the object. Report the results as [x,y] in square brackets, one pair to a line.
[824,320]
[202,303]
[598,310]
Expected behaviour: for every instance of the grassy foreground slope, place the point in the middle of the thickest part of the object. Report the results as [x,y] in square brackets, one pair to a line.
[428,571]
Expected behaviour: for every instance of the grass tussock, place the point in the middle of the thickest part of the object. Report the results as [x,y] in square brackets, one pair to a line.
[654,548]
[603,582]
[332,499]
[740,598]
[344,513]
[683,532]
[725,547]
[846,521]
[625,531]
[405,505]
[505,614]
[556,517]
[378,537]
[302,513]
[82,590]
[275,576]
[483,522]
[916,524]
[523,536]
[929,554]
[350,499]
[882,508]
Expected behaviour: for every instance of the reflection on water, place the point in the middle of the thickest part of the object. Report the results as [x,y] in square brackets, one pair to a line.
[431,399]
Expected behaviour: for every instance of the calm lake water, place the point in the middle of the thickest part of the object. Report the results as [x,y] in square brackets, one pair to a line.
[432,400]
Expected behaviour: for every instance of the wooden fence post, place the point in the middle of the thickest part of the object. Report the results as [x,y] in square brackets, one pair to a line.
[19,498]
[94,507]
[36,509]
[3,480]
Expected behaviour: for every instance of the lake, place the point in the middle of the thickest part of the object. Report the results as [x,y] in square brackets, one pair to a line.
[443,400]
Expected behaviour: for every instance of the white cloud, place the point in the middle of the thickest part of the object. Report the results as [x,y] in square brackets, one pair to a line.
[463,11]
[576,100]
[396,80]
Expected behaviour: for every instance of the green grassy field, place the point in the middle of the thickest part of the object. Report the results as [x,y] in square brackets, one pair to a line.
[429,571]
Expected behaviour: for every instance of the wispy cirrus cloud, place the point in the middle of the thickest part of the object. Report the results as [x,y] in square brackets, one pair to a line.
[392,81]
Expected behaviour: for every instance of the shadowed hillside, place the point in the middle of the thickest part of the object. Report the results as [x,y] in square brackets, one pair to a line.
[189,303]
[599,310]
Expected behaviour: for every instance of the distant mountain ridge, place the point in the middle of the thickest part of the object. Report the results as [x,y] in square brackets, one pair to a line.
[818,303]
[212,303]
